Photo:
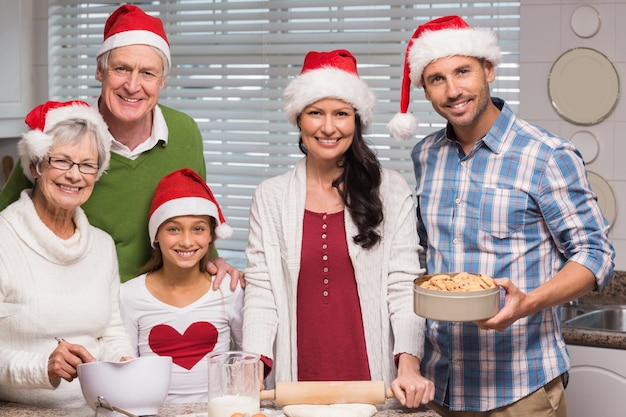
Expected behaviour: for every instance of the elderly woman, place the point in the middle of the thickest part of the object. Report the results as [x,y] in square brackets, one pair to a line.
[59,277]
[333,248]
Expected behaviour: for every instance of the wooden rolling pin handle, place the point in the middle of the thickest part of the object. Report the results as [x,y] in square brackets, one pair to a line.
[268,395]
[328,392]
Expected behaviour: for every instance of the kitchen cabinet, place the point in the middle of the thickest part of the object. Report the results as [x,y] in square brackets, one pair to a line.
[16,65]
[597,382]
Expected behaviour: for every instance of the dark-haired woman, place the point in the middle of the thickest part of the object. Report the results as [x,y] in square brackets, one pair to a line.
[333,248]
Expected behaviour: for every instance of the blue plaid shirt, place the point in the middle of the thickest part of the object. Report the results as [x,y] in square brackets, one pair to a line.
[518,206]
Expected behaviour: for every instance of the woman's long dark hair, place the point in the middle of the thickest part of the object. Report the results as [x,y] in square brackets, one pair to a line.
[359,187]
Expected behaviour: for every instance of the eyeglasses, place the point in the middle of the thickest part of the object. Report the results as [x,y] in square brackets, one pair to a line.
[66,165]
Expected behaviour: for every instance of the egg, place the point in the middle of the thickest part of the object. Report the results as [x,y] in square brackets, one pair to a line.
[258,415]
[236,415]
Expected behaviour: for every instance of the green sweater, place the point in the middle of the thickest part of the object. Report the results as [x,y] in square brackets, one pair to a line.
[121,198]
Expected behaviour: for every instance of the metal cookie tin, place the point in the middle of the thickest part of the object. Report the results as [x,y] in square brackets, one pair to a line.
[454,306]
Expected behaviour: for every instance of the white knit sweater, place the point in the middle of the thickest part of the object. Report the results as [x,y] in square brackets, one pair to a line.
[384,275]
[64,288]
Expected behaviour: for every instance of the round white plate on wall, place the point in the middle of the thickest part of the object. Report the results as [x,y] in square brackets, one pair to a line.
[587,144]
[585,21]
[606,197]
[583,86]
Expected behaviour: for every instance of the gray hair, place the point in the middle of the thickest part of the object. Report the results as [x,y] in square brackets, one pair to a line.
[67,125]
[102,61]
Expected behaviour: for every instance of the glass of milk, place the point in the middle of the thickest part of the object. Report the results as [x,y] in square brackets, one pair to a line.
[234,384]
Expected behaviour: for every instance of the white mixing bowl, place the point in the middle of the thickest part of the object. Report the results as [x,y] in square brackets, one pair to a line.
[139,385]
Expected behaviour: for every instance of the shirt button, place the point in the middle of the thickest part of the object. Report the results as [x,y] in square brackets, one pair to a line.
[325,269]
[324,226]
[324,217]
[455,241]
[455,360]
[325,293]
[325,257]
[324,246]
[323,235]
[458,201]
[325,280]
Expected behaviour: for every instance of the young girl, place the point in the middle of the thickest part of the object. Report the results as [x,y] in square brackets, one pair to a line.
[170,309]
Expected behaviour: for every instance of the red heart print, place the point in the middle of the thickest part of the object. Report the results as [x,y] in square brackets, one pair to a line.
[185,349]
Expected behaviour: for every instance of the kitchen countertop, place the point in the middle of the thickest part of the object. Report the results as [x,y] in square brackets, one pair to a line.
[595,338]
[614,293]
[391,408]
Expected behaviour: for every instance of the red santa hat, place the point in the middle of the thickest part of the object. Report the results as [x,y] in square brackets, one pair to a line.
[329,75]
[439,38]
[129,25]
[185,193]
[36,143]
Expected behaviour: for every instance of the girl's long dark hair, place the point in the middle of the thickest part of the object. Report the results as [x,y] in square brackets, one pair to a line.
[359,187]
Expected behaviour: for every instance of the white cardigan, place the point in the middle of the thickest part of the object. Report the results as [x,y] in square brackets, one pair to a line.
[66,288]
[384,275]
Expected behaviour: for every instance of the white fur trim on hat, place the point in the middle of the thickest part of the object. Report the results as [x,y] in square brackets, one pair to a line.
[433,45]
[188,206]
[224,231]
[136,37]
[329,82]
[403,126]
[35,144]
[440,38]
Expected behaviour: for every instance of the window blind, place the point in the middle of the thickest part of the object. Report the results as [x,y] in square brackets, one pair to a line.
[233,58]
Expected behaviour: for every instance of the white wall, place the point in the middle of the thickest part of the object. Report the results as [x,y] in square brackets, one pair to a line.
[38,59]
[546,33]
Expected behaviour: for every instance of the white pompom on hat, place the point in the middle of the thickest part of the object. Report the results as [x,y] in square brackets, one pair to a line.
[439,38]
[329,75]
[36,143]
[185,193]
[129,25]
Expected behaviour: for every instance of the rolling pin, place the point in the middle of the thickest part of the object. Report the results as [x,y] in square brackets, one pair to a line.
[328,392]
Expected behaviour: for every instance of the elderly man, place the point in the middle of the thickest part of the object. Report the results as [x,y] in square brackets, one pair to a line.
[148,140]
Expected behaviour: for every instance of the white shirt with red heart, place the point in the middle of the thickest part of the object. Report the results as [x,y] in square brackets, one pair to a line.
[186,334]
